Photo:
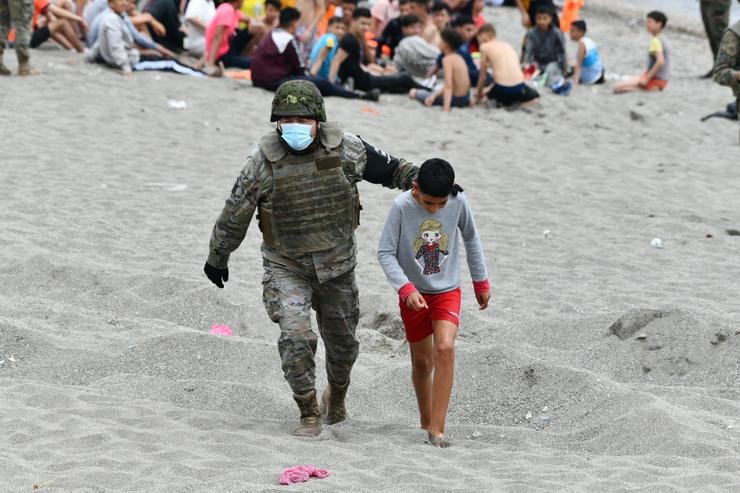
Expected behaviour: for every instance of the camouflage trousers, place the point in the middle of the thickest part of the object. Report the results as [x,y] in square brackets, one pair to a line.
[715,14]
[288,297]
[17,14]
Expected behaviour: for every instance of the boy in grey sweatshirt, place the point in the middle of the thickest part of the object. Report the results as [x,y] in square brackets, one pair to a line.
[419,252]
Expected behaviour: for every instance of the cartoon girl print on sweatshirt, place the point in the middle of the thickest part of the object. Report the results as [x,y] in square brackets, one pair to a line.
[431,246]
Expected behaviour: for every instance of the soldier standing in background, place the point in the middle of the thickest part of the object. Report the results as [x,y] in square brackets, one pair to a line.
[715,14]
[17,14]
[302,181]
[727,64]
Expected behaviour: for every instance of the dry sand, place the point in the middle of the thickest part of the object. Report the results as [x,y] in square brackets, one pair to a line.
[109,380]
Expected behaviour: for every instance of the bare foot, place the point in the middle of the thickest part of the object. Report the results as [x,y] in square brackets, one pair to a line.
[438,440]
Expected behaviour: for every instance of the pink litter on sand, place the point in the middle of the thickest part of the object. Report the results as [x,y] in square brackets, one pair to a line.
[221,330]
[299,474]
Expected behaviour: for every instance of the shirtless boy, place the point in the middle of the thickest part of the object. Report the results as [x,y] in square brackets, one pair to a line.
[509,89]
[456,89]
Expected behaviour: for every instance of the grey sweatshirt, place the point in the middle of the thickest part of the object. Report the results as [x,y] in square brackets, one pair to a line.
[115,44]
[423,249]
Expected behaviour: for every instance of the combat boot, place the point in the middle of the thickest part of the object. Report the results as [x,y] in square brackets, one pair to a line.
[310,418]
[3,69]
[332,403]
[24,67]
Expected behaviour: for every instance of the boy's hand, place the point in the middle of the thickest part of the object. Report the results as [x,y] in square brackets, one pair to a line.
[429,100]
[483,299]
[416,301]
[643,81]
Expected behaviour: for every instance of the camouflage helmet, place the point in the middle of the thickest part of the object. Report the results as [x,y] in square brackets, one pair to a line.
[298,98]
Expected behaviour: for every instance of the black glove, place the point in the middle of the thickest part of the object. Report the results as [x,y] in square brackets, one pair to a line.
[216,275]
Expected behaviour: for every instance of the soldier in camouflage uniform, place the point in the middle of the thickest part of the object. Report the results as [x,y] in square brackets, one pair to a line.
[17,14]
[715,14]
[727,65]
[301,179]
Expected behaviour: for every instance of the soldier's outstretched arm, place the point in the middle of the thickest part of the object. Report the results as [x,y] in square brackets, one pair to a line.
[384,169]
[727,59]
[231,226]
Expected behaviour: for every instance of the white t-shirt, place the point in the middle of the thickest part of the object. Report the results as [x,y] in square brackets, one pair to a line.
[196,39]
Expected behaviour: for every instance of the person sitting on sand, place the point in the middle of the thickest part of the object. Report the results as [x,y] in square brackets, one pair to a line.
[57,23]
[456,88]
[144,44]
[509,89]
[166,12]
[546,48]
[115,43]
[198,15]
[414,55]
[326,47]
[588,68]
[656,76]
[465,27]
[225,42]
[419,253]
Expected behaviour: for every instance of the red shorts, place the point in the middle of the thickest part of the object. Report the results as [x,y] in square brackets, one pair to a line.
[655,85]
[443,306]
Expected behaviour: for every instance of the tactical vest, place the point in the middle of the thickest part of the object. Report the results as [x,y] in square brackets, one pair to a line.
[312,206]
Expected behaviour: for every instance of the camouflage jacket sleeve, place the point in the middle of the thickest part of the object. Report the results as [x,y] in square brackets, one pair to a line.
[728,60]
[231,226]
[376,166]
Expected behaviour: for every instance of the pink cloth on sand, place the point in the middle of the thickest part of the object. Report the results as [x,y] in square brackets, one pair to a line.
[299,474]
[221,330]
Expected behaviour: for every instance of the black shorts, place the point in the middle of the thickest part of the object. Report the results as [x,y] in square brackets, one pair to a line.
[509,95]
[40,34]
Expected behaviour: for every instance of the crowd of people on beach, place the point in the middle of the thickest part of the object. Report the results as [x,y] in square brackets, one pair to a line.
[440,52]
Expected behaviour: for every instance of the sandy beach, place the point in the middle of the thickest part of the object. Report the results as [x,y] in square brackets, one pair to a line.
[109,380]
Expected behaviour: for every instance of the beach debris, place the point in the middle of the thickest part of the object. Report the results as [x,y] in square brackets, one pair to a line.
[656,243]
[641,337]
[221,330]
[546,233]
[38,486]
[733,232]
[544,419]
[719,337]
[636,117]
[477,434]
[177,104]
[709,235]
[544,409]
[528,416]
[371,110]
[634,321]
[168,187]
[300,474]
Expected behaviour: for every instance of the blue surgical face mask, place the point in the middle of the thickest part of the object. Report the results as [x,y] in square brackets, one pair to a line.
[296,135]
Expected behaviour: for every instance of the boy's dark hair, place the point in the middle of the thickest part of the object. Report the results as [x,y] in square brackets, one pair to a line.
[288,15]
[487,28]
[658,17]
[420,2]
[274,3]
[353,2]
[437,178]
[462,20]
[335,20]
[450,36]
[361,12]
[440,6]
[580,25]
[544,9]
[409,20]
